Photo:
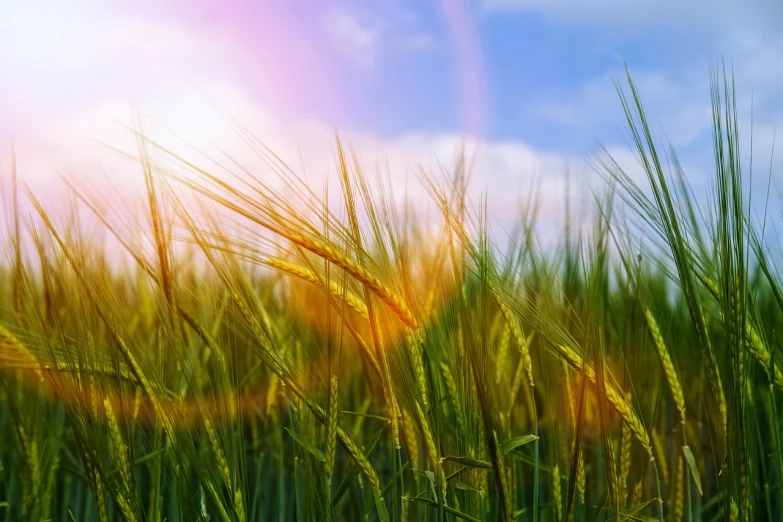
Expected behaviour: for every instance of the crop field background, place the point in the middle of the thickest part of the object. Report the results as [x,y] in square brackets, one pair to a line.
[275,354]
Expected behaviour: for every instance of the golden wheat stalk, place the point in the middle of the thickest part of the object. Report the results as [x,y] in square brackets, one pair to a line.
[216,501]
[415,347]
[390,399]
[614,397]
[353,301]
[120,448]
[502,357]
[431,450]
[358,456]
[386,294]
[337,291]
[411,441]
[395,422]
[63,367]
[503,486]
[759,350]
[353,449]
[451,389]
[271,393]
[51,481]
[557,492]
[755,345]
[744,489]
[331,429]
[638,491]
[98,492]
[225,471]
[146,385]
[733,511]
[625,462]
[136,404]
[515,385]
[30,451]
[660,455]
[211,346]
[239,504]
[9,344]
[581,477]
[679,489]
[522,343]
[672,379]
[125,509]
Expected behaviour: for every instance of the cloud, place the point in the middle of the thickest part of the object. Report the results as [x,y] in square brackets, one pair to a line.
[202,130]
[56,60]
[363,35]
[356,39]
[65,39]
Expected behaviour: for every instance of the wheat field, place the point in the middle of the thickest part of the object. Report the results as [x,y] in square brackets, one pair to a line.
[262,356]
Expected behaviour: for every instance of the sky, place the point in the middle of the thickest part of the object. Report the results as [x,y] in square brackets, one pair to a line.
[529,83]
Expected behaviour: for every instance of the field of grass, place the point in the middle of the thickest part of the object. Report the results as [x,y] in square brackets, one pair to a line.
[260,355]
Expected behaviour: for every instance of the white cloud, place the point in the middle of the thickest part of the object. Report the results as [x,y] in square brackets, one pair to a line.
[55,60]
[52,40]
[504,171]
[363,35]
[357,40]
[68,39]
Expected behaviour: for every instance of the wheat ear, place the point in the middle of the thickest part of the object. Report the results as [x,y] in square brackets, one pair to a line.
[614,397]
[668,366]
[451,389]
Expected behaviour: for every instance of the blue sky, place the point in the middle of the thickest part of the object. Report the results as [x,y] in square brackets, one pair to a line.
[546,73]
[548,70]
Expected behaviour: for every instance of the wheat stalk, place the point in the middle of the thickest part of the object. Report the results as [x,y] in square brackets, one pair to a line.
[354,451]
[733,511]
[451,389]
[334,288]
[557,492]
[625,462]
[755,345]
[415,348]
[9,343]
[679,489]
[581,477]
[502,356]
[411,441]
[386,294]
[522,343]
[97,485]
[431,450]
[660,455]
[221,510]
[614,397]
[331,429]
[120,448]
[668,366]
[225,471]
